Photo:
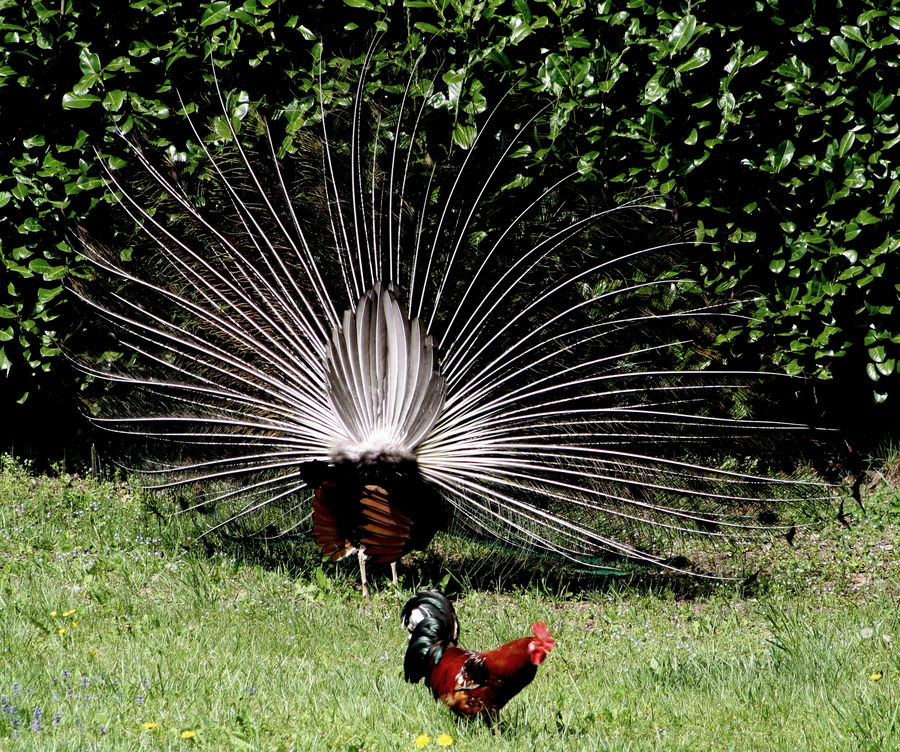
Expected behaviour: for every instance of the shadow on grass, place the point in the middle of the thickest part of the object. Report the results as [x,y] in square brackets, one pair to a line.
[459,566]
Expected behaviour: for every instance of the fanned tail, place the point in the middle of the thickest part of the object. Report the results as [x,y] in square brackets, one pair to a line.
[474,343]
[384,383]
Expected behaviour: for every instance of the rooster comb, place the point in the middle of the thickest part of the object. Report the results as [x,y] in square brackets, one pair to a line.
[543,635]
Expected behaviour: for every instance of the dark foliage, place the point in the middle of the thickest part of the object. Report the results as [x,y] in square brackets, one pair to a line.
[769,127]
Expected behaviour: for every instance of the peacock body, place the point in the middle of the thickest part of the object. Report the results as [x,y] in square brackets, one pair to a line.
[377,345]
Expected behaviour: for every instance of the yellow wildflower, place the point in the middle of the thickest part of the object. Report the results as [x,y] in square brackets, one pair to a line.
[422,741]
[149,725]
[53,613]
[74,624]
[61,630]
[67,614]
[188,734]
[876,676]
[445,740]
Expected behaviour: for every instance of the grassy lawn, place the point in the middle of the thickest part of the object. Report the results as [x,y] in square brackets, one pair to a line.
[120,630]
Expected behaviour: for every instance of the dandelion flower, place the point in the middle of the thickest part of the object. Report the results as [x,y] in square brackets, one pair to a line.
[74,624]
[61,630]
[422,741]
[53,613]
[67,614]
[445,740]
[149,725]
[876,676]
[188,734]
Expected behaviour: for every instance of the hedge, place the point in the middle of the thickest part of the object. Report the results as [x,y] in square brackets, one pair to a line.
[769,127]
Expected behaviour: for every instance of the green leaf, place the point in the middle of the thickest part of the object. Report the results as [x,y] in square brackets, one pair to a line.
[756,57]
[577,42]
[846,142]
[553,73]
[113,100]
[854,33]
[700,58]
[868,15]
[864,218]
[215,13]
[683,33]
[464,135]
[46,294]
[454,81]
[586,162]
[520,29]
[784,155]
[654,90]
[72,101]
[89,63]
[48,270]
[881,101]
[726,105]
[839,45]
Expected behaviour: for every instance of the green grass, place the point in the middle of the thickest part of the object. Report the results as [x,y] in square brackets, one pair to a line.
[270,652]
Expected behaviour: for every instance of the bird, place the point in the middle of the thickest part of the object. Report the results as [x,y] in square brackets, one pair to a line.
[389,334]
[472,685]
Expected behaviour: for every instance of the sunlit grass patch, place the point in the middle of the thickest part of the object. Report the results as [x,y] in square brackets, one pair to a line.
[172,643]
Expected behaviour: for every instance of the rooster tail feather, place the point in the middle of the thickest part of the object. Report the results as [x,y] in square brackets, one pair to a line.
[431,620]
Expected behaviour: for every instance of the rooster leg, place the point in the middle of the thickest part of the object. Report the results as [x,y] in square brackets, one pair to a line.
[394,579]
[362,571]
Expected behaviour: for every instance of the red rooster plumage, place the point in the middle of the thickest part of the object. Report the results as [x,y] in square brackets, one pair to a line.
[470,684]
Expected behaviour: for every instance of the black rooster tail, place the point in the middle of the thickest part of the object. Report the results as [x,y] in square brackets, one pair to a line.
[431,620]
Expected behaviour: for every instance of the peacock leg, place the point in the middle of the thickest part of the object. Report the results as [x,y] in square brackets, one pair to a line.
[361,553]
[394,579]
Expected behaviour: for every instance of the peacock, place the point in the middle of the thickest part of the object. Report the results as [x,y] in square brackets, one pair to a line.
[387,334]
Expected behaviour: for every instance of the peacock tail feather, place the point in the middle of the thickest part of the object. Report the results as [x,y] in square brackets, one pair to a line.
[471,342]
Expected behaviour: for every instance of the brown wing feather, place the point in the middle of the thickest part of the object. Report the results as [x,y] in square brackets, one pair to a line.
[349,513]
[377,499]
[388,529]
[329,533]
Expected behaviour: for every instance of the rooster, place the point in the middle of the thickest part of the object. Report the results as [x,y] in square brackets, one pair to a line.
[470,684]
